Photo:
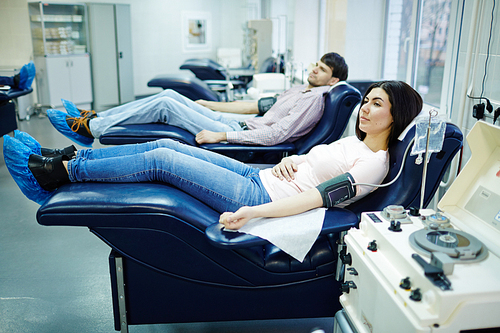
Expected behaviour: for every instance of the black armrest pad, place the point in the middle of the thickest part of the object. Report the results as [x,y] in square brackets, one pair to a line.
[336,220]
[227,147]
[139,133]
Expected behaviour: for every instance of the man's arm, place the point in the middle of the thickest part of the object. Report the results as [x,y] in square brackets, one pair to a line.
[231,107]
[280,126]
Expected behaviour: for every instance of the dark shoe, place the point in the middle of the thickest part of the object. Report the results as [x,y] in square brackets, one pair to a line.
[79,126]
[49,172]
[67,153]
[59,120]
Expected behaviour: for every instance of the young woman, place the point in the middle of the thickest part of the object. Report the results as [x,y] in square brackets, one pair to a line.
[295,185]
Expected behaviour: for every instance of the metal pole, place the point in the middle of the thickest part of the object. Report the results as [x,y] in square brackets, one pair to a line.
[432,113]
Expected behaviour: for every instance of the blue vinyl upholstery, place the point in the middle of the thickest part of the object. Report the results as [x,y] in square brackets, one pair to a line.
[187,85]
[205,69]
[179,266]
[339,105]
[8,117]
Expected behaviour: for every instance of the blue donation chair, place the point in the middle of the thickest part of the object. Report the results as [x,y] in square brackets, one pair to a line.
[8,117]
[339,105]
[171,263]
[211,79]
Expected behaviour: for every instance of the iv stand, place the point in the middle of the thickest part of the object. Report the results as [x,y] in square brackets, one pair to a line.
[432,113]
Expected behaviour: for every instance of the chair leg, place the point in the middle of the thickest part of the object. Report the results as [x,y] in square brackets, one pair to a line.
[341,250]
[121,294]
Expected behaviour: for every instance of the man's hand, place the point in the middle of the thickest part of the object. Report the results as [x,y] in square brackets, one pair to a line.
[206,136]
[205,103]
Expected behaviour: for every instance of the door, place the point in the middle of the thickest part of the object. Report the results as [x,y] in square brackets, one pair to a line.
[80,80]
[58,81]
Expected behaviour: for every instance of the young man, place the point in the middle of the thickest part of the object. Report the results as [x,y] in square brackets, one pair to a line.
[294,114]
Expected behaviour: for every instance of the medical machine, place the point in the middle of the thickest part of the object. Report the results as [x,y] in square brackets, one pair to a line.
[430,271]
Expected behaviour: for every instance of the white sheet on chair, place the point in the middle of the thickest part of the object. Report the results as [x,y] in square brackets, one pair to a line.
[294,235]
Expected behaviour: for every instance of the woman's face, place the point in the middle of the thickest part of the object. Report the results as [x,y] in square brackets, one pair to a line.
[375,114]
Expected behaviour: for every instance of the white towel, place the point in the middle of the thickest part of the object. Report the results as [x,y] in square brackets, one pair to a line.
[294,234]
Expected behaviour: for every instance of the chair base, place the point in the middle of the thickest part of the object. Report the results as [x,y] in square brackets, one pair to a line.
[179,300]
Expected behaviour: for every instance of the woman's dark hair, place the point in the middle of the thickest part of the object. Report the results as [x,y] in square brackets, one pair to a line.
[338,65]
[406,104]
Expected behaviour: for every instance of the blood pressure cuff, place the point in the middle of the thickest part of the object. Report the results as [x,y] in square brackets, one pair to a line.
[265,104]
[337,190]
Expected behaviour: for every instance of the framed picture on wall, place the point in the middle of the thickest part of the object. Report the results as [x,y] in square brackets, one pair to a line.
[197,31]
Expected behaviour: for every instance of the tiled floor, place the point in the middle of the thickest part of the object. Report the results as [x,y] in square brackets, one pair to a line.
[55,279]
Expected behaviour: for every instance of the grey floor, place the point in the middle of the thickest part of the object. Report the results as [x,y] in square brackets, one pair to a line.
[55,279]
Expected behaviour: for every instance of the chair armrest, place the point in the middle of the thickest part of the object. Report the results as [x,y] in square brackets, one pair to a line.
[13,93]
[229,147]
[336,220]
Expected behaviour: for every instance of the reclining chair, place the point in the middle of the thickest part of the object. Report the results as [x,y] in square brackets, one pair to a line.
[171,263]
[187,85]
[212,79]
[210,82]
[339,105]
[8,117]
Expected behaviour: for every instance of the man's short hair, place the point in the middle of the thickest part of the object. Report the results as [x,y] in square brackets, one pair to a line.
[338,65]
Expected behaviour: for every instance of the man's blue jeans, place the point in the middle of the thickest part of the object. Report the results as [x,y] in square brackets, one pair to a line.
[220,182]
[167,107]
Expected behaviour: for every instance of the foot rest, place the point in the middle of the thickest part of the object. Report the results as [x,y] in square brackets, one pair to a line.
[189,86]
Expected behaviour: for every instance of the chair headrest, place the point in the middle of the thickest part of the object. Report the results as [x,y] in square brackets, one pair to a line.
[205,69]
[405,191]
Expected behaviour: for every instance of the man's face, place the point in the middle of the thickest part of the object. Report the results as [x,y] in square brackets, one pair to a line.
[321,75]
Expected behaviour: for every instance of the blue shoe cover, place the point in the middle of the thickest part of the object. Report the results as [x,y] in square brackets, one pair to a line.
[29,141]
[71,108]
[26,76]
[16,155]
[58,120]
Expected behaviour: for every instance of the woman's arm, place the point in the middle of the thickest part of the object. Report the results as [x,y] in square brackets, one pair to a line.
[231,107]
[293,205]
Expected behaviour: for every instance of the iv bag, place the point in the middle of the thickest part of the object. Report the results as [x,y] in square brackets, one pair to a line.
[436,138]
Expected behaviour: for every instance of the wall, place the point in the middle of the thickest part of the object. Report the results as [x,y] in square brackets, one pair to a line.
[364,35]
[306,31]
[156,33]
[15,38]
[476,72]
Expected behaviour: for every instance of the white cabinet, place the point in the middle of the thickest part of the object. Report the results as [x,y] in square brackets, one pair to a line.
[65,77]
[59,33]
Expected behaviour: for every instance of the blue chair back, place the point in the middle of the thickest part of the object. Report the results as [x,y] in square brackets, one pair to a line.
[191,87]
[339,104]
[205,69]
[405,191]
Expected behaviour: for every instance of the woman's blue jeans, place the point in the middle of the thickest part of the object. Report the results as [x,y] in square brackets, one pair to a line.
[220,182]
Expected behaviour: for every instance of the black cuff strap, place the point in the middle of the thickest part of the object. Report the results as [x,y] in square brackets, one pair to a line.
[337,190]
[265,104]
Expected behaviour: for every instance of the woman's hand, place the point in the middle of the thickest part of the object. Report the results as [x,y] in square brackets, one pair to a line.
[236,220]
[285,169]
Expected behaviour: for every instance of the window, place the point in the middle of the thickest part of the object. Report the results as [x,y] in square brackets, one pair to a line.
[415,48]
